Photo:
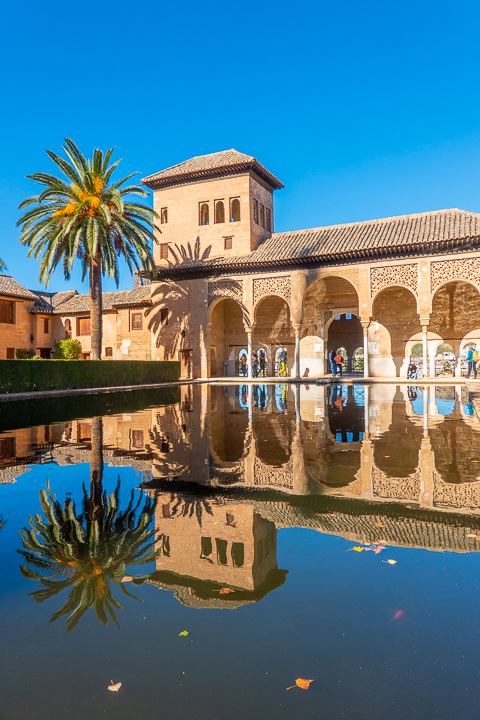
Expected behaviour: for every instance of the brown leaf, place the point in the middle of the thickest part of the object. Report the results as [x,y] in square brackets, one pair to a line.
[301,683]
[224,591]
[114,688]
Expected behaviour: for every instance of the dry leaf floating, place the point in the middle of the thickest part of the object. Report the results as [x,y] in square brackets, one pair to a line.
[390,562]
[114,687]
[184,633]
[301,683]
[224,591]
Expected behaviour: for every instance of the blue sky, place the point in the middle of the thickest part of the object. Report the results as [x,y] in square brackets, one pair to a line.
[363,110]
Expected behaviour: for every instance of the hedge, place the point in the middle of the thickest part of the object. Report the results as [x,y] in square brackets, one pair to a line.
[48,411]
[27,376]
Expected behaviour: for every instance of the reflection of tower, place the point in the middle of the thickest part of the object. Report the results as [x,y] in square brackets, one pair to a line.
[206,545]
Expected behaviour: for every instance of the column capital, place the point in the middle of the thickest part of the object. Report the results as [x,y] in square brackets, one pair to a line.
[424,321]
[365,324]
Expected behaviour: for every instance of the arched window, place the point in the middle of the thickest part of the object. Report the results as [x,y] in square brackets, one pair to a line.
[68,329]
[219,211]
[235,210]
[204,214]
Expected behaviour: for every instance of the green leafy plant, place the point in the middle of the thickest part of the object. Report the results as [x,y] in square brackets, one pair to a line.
[67,349]
[87,216]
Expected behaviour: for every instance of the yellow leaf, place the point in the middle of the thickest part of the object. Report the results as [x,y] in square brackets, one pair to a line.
[114,688]
[184,632]
[391,562]
[357,549]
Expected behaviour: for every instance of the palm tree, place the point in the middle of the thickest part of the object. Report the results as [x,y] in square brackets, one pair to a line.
[87,552]
[87,216]
[2,266]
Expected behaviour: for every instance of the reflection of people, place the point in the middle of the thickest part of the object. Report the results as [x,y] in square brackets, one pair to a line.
[243,365]
[244,394]
[472,358]
[412,393]
[412,371]
[283,399]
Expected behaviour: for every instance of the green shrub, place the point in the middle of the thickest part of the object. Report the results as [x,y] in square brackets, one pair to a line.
[67,349]
[24,354]
[18,376]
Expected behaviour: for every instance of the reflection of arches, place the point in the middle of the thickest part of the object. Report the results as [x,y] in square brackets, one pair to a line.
[346,419]
[395,458]
[274,437]
[394,311]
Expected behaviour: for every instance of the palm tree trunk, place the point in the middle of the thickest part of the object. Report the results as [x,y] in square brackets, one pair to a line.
[96,307]
[96,470]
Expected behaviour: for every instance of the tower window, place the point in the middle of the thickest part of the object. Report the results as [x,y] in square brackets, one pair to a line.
[204,214]
[235,210]
[219,211]
[262,216]
[255,211]
[228,243]
[164,216]
[163,251]
[268,218]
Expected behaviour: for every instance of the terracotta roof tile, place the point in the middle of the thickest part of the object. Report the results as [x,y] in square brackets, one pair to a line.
[138,297]
[208,165]
[12,288]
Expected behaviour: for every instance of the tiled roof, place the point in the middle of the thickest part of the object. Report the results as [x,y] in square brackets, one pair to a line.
[138,297]
[441,229]
[47,302]
[12,288]
[219,163]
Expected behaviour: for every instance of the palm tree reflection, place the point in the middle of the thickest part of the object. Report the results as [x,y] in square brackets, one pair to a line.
[87,552]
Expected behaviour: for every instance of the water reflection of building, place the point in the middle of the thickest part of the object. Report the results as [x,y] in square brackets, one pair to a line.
[207,546]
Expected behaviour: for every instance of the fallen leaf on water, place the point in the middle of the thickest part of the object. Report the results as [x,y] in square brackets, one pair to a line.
[398,614]
[356,548]
[475,461]
[378,549]
[114,688]
[224,591]
[301,683]
[390,562]
[184,632]
[472,535]
[379,524]
[127,578]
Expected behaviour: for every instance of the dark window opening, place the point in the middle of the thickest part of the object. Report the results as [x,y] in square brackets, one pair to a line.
[10,353]
[163,251]
[255,211]
[166,510]
[204,214]
[163,216]
[7,448]
[109,352]
[238,554]
[45,326]
[262,215]
[164,316]
[207,549]
[219,211]
[44,353]
[166,545]
[228,243]
[235,210]
[137,438]
[137,321]
[221,551]
[6,311]
[68,329]
[268,217]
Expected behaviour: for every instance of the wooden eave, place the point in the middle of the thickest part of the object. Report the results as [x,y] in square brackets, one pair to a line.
[195,175]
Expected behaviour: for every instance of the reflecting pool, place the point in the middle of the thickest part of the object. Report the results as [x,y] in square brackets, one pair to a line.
[207,545]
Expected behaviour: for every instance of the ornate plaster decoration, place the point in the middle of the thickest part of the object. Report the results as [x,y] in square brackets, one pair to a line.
[448,495]
[382,277]
[271,475]
[444,270]
[225,289]
[396,488]
[280,285]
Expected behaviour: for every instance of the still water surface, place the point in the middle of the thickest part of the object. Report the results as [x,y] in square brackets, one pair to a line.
[260,523]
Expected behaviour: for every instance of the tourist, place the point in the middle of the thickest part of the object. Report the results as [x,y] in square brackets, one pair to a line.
[472,359]
[412,371]
[339,364]
[243,365]
[283,363]
[255,364]
[262,358]
[331,359]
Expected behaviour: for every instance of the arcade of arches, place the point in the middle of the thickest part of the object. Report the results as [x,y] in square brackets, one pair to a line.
[308,313]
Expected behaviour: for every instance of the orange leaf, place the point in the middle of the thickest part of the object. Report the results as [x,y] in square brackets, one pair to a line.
[127,578]
[379,524]
[224,591]
[301,683]
[472,535]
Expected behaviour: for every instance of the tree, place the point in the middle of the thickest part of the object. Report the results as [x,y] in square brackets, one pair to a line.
[87,552]
[2,266]
[90,218]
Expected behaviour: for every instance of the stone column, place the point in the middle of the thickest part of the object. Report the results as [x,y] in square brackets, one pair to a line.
[249,352]
[366,401]
[296,329]
[425,410]
[365,325]
[424,324]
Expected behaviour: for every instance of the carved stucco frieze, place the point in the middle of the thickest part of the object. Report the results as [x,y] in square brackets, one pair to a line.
[280,285]
[444,270]
[382,277]
[225,289]
[272,475]
[449,495]
[396,488]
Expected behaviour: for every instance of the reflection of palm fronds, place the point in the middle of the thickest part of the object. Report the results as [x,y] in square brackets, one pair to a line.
[188,506]
[87,556]
[2,523]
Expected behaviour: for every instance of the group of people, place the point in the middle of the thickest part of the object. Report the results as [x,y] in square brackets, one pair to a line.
[259,364]
[472,360]
[337,362]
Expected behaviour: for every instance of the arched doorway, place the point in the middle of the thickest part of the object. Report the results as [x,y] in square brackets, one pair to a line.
[444,360]
[262,362]
[273,328]
[227,337]
[396,324]
[241,366]
[281,362]
[463,356]
[345,335]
